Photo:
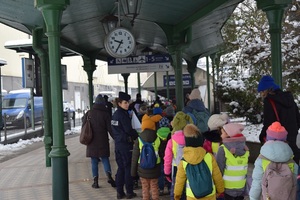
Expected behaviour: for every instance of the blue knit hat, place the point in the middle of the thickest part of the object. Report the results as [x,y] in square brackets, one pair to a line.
[124,96]
[265,83]
[100,99]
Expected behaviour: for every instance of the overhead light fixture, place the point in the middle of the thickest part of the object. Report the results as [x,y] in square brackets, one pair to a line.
[109,23]
[131,8]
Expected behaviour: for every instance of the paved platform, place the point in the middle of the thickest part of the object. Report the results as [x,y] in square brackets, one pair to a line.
[26,177]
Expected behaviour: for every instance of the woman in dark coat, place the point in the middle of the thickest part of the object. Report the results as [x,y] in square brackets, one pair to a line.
[99,147]
[287,110]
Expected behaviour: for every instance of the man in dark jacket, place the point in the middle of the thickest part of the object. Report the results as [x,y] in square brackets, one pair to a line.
[124,136]
[99,147]
[286,108]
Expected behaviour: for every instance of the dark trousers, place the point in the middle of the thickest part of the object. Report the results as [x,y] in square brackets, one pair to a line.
[228,197]
[123,176]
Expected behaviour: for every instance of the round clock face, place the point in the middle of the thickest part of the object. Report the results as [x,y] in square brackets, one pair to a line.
[119,43]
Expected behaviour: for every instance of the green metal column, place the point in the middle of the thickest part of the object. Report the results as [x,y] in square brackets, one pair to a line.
[139,82]
[274,11]
[155,84]
[37,37]
[125,77]
[168,86]
[177,64]
[52,13]
[89,67]
[192,67]
[208,83]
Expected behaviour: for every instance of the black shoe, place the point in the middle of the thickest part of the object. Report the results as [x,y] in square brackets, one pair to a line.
[161,192]
[121,196]
[130,196]
[136,184]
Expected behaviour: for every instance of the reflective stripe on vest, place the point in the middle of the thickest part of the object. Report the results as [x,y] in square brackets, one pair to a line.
[266,162]
[215,147]
[208,161]
[155,145]
[175,147]
[235,171]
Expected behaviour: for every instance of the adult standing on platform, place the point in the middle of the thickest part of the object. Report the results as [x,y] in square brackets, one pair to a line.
[286,108]
[124,136]
[99,147]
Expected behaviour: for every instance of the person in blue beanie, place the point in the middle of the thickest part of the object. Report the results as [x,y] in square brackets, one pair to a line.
[285,106]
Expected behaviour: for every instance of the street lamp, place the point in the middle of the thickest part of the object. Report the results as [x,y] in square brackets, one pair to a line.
[131,8]
[109,22]
[2,63]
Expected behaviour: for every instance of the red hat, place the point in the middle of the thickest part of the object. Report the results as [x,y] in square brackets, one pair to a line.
[276,132]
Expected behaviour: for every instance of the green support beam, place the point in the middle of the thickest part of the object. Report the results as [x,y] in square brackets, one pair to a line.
[208,83]
[37,45]
[274,10]
[192,67]
[125,77]
[52,13]
[89,67]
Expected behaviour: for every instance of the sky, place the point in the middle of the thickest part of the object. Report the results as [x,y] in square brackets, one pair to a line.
[251,132]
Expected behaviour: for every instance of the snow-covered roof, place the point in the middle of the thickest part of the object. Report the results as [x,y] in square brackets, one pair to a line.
[2,62]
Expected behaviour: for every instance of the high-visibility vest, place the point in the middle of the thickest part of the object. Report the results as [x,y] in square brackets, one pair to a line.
[175,149]
[215,147]
[155,144]
[236,170]
[266,162]
[208,161]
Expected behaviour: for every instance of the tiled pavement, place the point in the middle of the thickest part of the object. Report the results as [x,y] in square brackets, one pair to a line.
[26,177]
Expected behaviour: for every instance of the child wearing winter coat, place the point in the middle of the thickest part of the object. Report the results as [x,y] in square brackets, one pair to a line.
[164,133]
[277,150]
[174,149]
[213,135]
[148,177]
[194,153]
[232,158]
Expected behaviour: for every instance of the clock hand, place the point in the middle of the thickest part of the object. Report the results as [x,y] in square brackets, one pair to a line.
[121,42]
[118,41]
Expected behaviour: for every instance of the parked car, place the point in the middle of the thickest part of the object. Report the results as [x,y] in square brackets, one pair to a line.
[17,106]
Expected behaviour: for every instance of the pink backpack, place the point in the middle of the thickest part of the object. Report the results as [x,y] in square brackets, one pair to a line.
[279,182]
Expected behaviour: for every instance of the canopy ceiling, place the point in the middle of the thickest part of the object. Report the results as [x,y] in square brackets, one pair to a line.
[82,31]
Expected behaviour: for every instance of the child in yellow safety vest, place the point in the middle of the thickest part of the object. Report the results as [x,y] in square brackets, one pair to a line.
[232,158]
[213,135]
[194,154]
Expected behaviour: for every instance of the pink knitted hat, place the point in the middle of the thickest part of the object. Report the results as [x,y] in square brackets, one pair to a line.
[233,129]
[276,132]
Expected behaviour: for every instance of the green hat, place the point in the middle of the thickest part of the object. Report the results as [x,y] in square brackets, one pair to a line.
[180,120]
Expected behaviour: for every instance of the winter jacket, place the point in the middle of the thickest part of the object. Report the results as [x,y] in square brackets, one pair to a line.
[101,126]
[289,116]
[178,137]
[196,104]
[124,134]
[276,151]
[210,138]
[195,155]
[147,135]
[237,146]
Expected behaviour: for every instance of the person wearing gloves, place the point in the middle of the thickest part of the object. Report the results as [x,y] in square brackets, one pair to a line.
[232,159]
[149,177]
[193,154]
[213,135]
[124,136]
[275,149]
[174,149]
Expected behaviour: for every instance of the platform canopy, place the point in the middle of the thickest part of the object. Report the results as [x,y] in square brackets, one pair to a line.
[82,31]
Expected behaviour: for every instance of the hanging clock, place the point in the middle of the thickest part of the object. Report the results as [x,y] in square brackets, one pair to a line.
[119,43]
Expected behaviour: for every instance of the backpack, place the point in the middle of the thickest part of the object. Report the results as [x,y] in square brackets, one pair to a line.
[278,182]
[200,119]
[200,179]
[148,157]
